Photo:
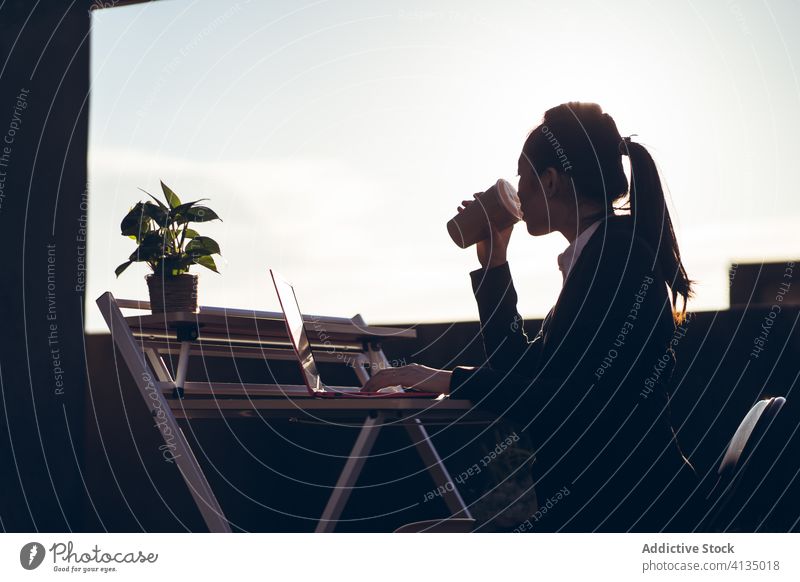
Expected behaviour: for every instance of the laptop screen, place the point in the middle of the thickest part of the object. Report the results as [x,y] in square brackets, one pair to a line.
[297,331]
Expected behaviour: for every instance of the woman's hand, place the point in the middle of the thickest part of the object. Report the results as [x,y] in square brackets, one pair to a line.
[414,376]
[492,251]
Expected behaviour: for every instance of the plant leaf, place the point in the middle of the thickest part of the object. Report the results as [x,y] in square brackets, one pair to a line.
[190,234]
[201,214]
[184,262]
[202,245]
[151,248]
[135,222]
[176,264]
[179,212]
[171,197]
[122,267]
[158,214]
[208,263]
[161,204]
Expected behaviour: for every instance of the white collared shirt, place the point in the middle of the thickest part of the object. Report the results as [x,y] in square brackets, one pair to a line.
[569,257]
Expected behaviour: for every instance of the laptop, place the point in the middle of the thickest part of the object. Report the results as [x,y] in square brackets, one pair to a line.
[305,356]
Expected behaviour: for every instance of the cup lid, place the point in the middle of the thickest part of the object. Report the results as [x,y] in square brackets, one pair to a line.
[509,198]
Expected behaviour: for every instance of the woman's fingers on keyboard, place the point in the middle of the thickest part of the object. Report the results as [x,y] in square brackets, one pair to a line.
[380,379]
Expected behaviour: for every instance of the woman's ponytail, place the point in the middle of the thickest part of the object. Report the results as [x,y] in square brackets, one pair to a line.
[652,222]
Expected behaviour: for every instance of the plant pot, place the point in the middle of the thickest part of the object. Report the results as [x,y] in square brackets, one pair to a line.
[173,293]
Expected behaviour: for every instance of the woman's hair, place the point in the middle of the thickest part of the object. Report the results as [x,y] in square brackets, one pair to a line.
[579,140]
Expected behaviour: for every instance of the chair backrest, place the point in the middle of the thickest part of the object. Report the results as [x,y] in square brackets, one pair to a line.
[748,441]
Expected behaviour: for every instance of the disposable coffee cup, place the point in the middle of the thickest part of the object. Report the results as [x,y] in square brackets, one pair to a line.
[498,206]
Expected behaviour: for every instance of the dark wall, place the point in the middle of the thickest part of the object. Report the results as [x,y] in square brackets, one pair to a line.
[43,141]
[763,283]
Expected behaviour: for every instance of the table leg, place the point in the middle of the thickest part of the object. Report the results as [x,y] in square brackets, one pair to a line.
[441,477]
[180,374]
[350,473]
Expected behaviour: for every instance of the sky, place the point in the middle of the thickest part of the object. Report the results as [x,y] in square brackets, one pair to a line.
[336,139]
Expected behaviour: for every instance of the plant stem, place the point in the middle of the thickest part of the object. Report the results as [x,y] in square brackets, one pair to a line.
[183,236]
[175,245]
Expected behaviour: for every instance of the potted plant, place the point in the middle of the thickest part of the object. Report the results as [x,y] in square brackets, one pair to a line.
[167,244]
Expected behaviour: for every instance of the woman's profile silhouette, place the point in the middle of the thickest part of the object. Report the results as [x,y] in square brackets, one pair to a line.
[591,388]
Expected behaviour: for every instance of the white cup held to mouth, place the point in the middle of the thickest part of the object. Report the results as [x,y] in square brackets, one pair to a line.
[498,206]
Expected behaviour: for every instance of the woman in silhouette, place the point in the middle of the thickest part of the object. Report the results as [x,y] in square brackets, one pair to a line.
[590,389]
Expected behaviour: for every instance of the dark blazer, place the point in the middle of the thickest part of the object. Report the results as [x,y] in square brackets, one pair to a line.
[590,389]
